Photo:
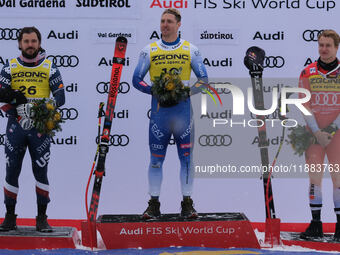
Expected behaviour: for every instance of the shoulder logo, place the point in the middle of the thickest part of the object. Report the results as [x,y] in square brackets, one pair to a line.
[185,47]
[153,49]
[14,65]
[312,70]
[46,65]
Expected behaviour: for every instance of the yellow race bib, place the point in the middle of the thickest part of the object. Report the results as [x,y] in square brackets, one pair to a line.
[32,81]
[162,60]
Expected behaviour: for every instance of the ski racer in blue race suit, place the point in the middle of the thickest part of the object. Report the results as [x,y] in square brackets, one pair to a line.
[36,77]
[169,53]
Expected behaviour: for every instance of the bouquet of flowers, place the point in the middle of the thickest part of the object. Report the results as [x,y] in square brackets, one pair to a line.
[300,139]
[169,89]
[46,118]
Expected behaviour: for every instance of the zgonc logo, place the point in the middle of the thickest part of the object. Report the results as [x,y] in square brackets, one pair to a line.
[169,4]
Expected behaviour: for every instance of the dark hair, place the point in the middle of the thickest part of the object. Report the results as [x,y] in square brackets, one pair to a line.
[28,30]
[331,34]
[174,12]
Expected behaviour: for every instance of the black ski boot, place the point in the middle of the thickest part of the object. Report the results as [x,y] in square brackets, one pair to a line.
[153,210]
[313,231]
[9,223]
[336,236]
[42,224]
[188,210]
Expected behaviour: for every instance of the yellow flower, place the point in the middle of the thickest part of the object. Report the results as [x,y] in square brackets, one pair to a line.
[167,77]
[170,86]
[57,117]
[50,124]
[49,107]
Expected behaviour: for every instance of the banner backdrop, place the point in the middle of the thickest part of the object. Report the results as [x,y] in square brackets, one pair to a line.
[79,37]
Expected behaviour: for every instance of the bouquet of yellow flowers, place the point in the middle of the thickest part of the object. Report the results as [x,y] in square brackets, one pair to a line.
[300,139]
[169,89]
[46,118]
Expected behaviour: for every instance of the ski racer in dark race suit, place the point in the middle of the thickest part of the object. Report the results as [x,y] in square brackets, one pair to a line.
[174,120]
[322,79]
[36,77]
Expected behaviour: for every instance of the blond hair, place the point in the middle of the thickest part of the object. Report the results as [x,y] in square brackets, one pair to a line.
[174,12]
[331,34]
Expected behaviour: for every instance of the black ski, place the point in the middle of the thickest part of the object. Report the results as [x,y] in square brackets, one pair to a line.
[254,62]
[117,66]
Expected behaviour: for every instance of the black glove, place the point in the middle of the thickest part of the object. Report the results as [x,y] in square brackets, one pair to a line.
[254,59]
[6,95]
[19,98]
[10,96]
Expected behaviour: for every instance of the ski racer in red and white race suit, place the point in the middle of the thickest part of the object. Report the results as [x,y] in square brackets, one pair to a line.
[322,79]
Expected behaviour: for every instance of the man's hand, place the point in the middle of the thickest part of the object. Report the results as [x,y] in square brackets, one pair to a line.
[25,110]
[323,138]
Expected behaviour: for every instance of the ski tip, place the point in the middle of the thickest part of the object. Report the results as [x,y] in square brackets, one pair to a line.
[121,39]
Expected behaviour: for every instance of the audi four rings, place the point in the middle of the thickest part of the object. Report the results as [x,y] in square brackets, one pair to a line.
[329,98]
[116,140]
[64,60]
[311,35]
[9,33]
[215,140]
[2,139]
[68,113]
[103,87]
[271,62]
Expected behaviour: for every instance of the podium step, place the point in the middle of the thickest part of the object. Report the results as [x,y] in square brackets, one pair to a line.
[220,230]
[26,237]
[325,244]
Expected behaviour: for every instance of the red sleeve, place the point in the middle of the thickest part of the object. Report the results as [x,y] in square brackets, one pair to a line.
[304,83]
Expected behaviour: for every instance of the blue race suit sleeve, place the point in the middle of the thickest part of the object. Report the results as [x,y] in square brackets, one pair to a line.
[198,67]
[141,70]
[57,86]
[5,82]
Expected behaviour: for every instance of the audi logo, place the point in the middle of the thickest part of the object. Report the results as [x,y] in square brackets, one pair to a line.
[215,140]
[9,33]
[64,61]
[149,113]
[116,140]
[328,98]
[68,113]
[103,87]
[2,139]
[271,62]
[311,35]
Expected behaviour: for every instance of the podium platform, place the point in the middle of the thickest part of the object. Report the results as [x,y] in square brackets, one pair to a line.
[220,230]
[323,244]
[26,237]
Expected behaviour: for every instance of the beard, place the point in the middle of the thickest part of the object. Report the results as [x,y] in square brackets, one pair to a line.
[30,56]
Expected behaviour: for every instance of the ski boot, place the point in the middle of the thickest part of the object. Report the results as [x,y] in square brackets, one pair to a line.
[42,224]
[314,231]
[188,210]
[9,223]
[153,210]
